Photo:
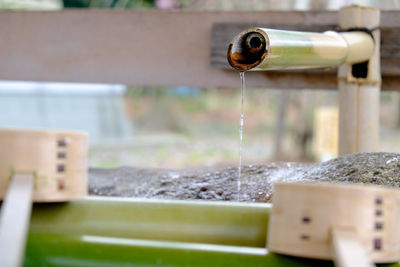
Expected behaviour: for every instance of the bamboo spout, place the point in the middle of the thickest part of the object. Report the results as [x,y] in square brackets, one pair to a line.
[268,49]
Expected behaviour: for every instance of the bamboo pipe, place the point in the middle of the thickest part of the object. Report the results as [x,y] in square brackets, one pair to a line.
[60,250]
[222,223]
[268,49]
[359,95]
[107,231]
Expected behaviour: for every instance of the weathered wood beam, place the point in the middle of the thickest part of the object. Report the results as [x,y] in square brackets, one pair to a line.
[152,48]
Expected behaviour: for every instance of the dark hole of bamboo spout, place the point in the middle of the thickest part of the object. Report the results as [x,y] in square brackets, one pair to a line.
[254,42]
[247,50]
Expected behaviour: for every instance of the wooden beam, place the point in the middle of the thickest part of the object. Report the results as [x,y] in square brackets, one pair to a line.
[152,48]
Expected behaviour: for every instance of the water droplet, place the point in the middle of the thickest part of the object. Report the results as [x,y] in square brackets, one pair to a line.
[173,175]
[391,160]
[241,132]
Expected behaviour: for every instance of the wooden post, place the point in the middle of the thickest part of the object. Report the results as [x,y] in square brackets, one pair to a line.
[359,87]
[348,251]
[14,220]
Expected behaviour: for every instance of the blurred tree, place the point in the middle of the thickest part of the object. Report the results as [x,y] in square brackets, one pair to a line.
[76,3]
[139,4]
[133,4]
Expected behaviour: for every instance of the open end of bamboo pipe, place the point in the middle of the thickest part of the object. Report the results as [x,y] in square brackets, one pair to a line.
[248,49]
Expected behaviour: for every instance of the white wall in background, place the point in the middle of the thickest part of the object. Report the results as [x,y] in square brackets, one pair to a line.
[95,108]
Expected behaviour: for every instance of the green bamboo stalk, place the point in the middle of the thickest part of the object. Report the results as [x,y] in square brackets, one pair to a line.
[238,224]
[74,250]
[129,232]
[268,49]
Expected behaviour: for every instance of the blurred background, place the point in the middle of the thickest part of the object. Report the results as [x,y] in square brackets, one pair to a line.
[187,127]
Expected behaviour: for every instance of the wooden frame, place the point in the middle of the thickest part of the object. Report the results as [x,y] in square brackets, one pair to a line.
[304,216]
[159,48]
[56,159]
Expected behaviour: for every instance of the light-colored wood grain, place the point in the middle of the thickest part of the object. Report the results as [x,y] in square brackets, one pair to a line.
[348,250]
[368,110]
[348,117]
[304,214]
[326,129]
[14,219]
[58,159]
[359,97]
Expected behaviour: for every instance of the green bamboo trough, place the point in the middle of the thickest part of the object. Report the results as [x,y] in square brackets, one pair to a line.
[100,231]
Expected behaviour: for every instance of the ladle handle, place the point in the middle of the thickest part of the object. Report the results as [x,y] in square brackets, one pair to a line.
[14,219]
[348,250]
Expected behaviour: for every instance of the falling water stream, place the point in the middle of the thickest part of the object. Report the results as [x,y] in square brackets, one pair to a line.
[243,91]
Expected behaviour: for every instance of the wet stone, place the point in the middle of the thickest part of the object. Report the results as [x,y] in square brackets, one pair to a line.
[203,188]
[257,180]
